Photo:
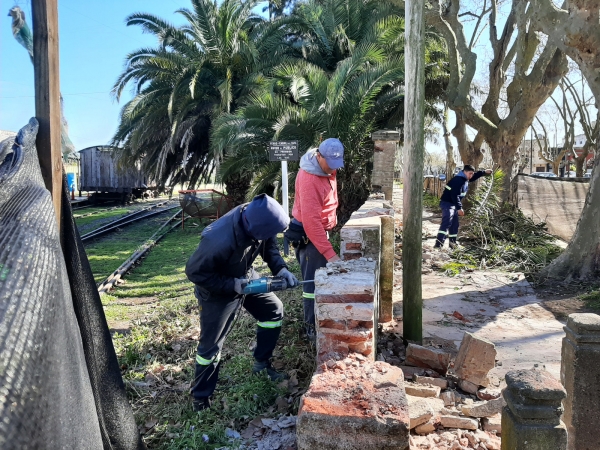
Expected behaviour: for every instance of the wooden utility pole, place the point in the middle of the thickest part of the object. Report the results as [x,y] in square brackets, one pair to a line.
[47,96]
[414,110]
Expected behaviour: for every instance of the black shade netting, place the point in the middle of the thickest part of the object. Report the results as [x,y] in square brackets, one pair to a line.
[60,383]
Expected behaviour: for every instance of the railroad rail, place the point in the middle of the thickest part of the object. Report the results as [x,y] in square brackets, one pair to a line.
[114,277]
[80,216]
[126,220]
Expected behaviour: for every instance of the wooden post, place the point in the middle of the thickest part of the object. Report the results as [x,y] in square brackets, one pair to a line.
[412,299]
[47,97]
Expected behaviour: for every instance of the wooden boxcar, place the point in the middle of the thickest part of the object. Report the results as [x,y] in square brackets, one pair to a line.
[100,173]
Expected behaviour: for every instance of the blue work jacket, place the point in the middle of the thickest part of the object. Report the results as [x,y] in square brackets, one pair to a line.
[457,188]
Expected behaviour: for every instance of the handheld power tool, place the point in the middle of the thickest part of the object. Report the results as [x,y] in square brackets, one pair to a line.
[268,284]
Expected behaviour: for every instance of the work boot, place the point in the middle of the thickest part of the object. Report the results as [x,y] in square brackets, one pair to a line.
[200,404]
[259,366]
[454,245]
[311,335]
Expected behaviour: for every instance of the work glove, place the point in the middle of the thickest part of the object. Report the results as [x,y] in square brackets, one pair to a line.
[239,284]
[253,274]
[289,277]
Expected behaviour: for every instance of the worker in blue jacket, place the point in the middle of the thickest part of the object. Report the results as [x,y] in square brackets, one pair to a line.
[451,204]
[220,267]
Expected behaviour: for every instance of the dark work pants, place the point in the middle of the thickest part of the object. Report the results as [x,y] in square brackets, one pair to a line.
[449,225]
[216,318]
[310,260]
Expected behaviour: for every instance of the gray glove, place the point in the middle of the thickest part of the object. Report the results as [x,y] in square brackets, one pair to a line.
[289,277]
[238,285]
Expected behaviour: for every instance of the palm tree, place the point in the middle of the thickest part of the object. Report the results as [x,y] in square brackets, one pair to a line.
[197,72]
[304,102]
[346,81]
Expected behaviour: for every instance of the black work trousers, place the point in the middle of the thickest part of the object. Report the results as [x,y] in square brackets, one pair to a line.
[310,259]
[217,315]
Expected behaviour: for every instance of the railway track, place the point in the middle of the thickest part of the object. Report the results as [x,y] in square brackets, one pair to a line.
[75,205]
[127,220]
[107,284]
[76,214]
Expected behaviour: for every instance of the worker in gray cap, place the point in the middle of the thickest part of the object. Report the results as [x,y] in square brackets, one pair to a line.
[220,267]
[314,211]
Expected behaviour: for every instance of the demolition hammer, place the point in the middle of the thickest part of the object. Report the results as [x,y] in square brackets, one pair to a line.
[268,284]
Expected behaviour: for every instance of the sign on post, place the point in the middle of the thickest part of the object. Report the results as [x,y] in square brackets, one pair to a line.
[283,151]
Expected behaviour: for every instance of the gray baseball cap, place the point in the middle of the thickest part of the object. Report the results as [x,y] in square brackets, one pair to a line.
[333,151]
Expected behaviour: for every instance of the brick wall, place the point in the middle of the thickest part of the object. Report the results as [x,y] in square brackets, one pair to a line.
[348,294]
[354,402]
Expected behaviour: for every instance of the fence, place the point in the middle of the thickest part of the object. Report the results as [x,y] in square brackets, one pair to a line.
[433,185]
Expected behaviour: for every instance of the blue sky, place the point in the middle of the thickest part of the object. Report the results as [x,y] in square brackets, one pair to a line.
[94,41]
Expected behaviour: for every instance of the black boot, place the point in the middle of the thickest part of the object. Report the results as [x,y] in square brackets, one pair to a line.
[200,404]
[259,366]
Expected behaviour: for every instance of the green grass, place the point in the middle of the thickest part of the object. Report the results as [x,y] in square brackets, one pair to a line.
[157,355]
[591,299]
[102,217]
[454,268]
[431,202]
[107,253]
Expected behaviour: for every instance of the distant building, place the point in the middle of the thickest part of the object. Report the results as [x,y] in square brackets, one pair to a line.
[530,149]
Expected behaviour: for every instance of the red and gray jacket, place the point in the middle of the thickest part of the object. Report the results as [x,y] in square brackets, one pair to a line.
[316,203]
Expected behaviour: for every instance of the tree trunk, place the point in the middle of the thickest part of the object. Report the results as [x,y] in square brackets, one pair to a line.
[237,187]
[470,153]
[579,163]
[504,156]
[450,163]
[555,167]
[581,160]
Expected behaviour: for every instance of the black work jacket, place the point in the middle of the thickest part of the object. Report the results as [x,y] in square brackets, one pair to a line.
[227,252]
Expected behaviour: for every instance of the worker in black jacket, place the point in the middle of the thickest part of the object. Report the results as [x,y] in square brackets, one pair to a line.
[451,203]
[220,267]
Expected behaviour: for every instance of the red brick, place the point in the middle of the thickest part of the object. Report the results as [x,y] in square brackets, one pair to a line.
[335,324]
[349,338]
[353,324]
[329,348]
[351,255]
[361,347]
[353,246]
[345,298]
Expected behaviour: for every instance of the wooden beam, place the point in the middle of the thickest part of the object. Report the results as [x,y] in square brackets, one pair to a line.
[414,140]
[47,97]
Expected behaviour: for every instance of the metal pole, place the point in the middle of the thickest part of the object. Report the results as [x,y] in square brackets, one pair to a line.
[284,187]
[531,154]
[414,111]
[284,200]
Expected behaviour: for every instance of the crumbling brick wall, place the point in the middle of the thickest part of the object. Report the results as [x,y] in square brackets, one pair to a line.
[348,293]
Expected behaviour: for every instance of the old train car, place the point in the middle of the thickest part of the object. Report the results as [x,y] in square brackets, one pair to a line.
[101,174]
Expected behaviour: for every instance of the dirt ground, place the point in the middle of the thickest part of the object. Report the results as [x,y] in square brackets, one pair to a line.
[562,301]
